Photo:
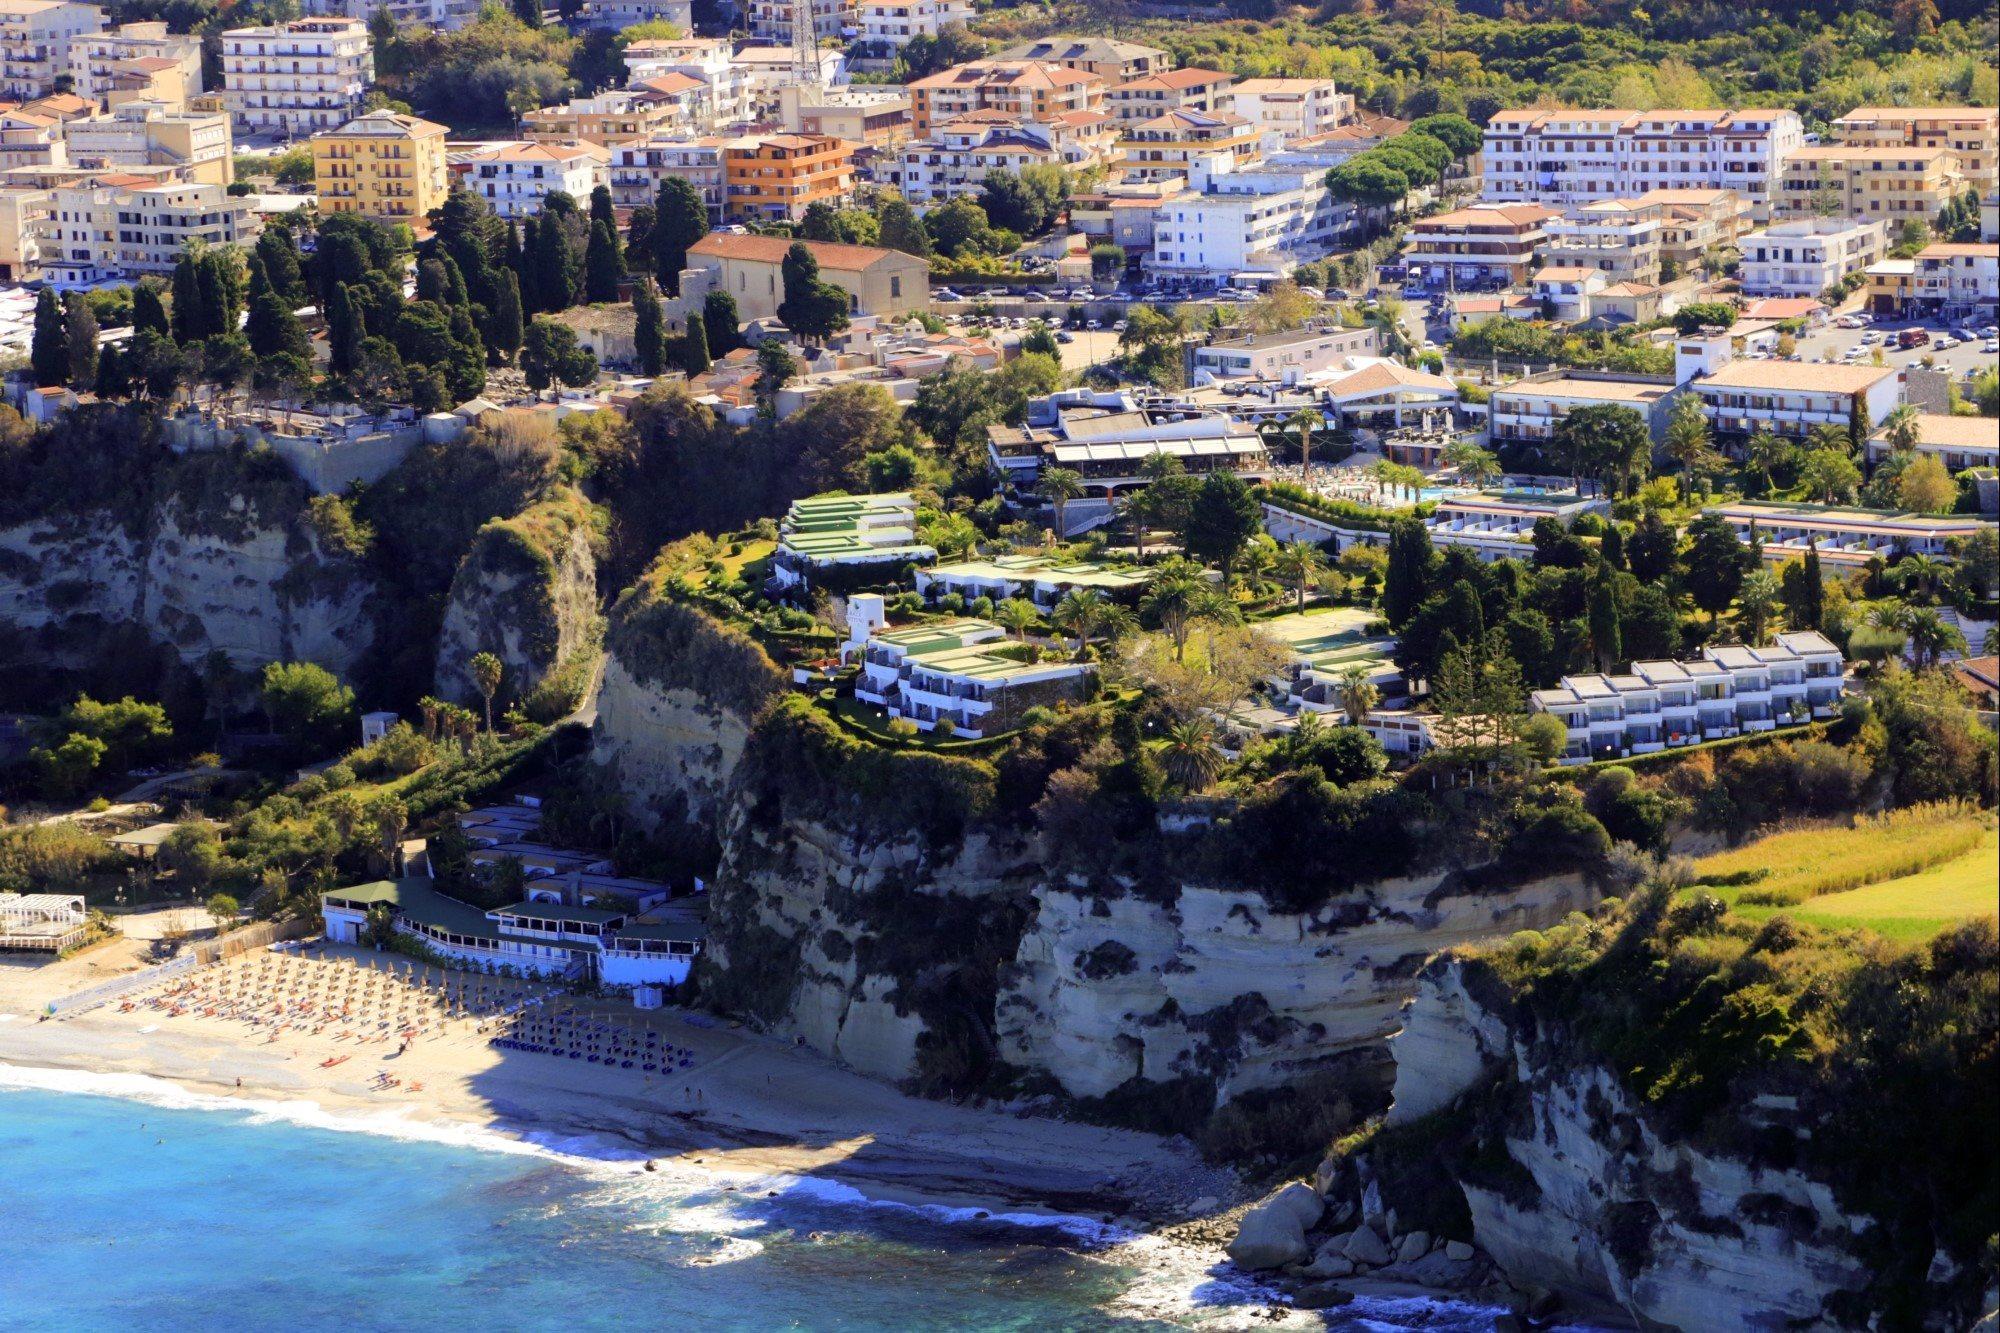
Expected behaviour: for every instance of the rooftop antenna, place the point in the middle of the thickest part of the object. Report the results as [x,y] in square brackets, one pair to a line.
[805,46]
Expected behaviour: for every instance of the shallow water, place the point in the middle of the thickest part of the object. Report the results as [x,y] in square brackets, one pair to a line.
[132,1204]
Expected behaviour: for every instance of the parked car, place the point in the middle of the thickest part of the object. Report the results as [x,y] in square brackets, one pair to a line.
[1065,336]
[1913,337]
[1990,346]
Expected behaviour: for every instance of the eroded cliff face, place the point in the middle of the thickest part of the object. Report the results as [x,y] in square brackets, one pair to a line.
[1594,1202]
[257,590]
[527,593]
[670,750]
[1218,985]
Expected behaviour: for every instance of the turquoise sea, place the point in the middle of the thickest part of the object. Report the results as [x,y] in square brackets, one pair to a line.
[158,1209]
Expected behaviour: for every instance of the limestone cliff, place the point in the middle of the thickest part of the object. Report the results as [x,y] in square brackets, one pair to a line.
[526,592]
[1219,985]
[246,576]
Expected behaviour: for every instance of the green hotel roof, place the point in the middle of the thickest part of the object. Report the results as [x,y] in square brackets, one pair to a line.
[589,916]
[414,897]
[916,640]
[1030,567]
[1336,637]
[825,507]
[664,930]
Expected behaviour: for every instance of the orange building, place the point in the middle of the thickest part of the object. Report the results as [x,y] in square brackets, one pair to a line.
[778,176]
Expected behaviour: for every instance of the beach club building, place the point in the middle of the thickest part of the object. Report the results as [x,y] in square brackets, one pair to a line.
[1729,691]
[42,922]
[964,674]
[537,937]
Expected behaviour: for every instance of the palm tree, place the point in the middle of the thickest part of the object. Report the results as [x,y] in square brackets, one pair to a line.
[1017,614]
[1476,465]
[1919,573]
[1902,430]
[1757,601]
[1060,485]
[1358,693]
[1304,421]
[1930,637]
[1086,614]
[1175,600]
[1189,757]
[1299,563]
[1137,510]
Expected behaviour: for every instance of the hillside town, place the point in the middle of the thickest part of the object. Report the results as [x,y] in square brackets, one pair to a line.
[878,535]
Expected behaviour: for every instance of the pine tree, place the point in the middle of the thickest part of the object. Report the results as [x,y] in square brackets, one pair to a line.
[649,332]
[344,331]
[273,329]
[149,313]
[694,349]
[723,323]
[602,266]
[504,324]
[80,333]
[902,229]
[1606,639]
[680,218]
[280,255]
[48,354]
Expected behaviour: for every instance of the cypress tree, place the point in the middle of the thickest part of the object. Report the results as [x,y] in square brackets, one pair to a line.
[694,349]
[1406,582]
[549,261]
[1815,589]
[48,354]
[344,331]
[1607,639]
[456,293]
[186,326]
[431,285]
[680,218]
[280,256]
[80,332]
[602,266]
[601,211]
[901,229]
[149,313]
[504,325]
[649,332]
[722,322]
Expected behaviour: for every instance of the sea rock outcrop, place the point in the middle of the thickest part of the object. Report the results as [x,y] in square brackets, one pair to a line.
[526,592]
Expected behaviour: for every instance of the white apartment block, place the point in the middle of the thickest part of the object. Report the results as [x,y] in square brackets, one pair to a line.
[35,43]
[444,15]
[1619,238]
[704,58]
[1528,410]
[1235,220]
[617,15]
[1957,442]
[1843,535]
[895,22]
[296,79]
[771,20]
[637,170]
[1573,157]
[97,59]
[144,134]
[1729,691]
[960,674]
[957,156]
[1955,280]
[106,231]
[1290,109]
[515,178]
[1790,398]
[1806,257]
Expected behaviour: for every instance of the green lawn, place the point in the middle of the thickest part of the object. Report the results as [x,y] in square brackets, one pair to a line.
[1910,908]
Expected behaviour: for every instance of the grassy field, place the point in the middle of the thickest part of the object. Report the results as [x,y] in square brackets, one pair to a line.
[1906,875]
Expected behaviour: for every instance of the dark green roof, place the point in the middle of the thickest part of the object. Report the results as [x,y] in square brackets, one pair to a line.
[590,916]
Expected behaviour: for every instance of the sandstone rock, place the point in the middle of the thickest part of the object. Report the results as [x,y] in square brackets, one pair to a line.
[1365,1247]
[1321,1296]
[1457,1250]
[1303,1202]
[1269,1236]
[1414,1247]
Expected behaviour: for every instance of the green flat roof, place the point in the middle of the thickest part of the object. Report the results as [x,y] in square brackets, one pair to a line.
[663,930]
[980,662]
[589,916]
[414,897]
[918,639]
[1030,568]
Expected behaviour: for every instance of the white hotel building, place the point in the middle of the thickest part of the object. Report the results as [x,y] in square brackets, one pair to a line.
[1574,157]
[1790,398]
[298,78]
[1843,535]
[1729,691]
[1806,257]
[515,178]
[1235,219]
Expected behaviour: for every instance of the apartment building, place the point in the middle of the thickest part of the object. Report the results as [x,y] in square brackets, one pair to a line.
[1485,244]
[1233,219]
[764,72]
[1972,133]
[1618,238]
[1809,255]
[1693,222]
[892,23]
[35,43]
[637,170]
[1150,95]
[957,156]
[771,20]
[874,117]
[826,532]
[129,225]
[751,269]
[443,15]
[1573,157]
[30,138]
[1498,525]
[1955,280]
[1790,398]
[516,178]
[1287,355]
[777,177]
[298,78]
[704,59]
[103,62]
[1109,59]
[382,165]
[148,134]
[1881,184]
[1292,109]
[963,675]
[667,104]
[1170,144]
[1728,691]
[618,15]
[1527,411]
[1028,89]
[1957,442]
[1844,535]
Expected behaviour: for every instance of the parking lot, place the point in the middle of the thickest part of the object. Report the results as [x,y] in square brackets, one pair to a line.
[1967,358]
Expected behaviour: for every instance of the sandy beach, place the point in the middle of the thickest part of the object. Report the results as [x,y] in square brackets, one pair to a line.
[749,1104]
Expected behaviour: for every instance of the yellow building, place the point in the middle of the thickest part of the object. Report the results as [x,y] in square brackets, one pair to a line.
[1168,144]
[382,165]
[1875,184]
[1972,132]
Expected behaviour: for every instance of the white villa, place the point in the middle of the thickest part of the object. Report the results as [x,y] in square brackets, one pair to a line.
[1729,691]
[848,530]
[965,674]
